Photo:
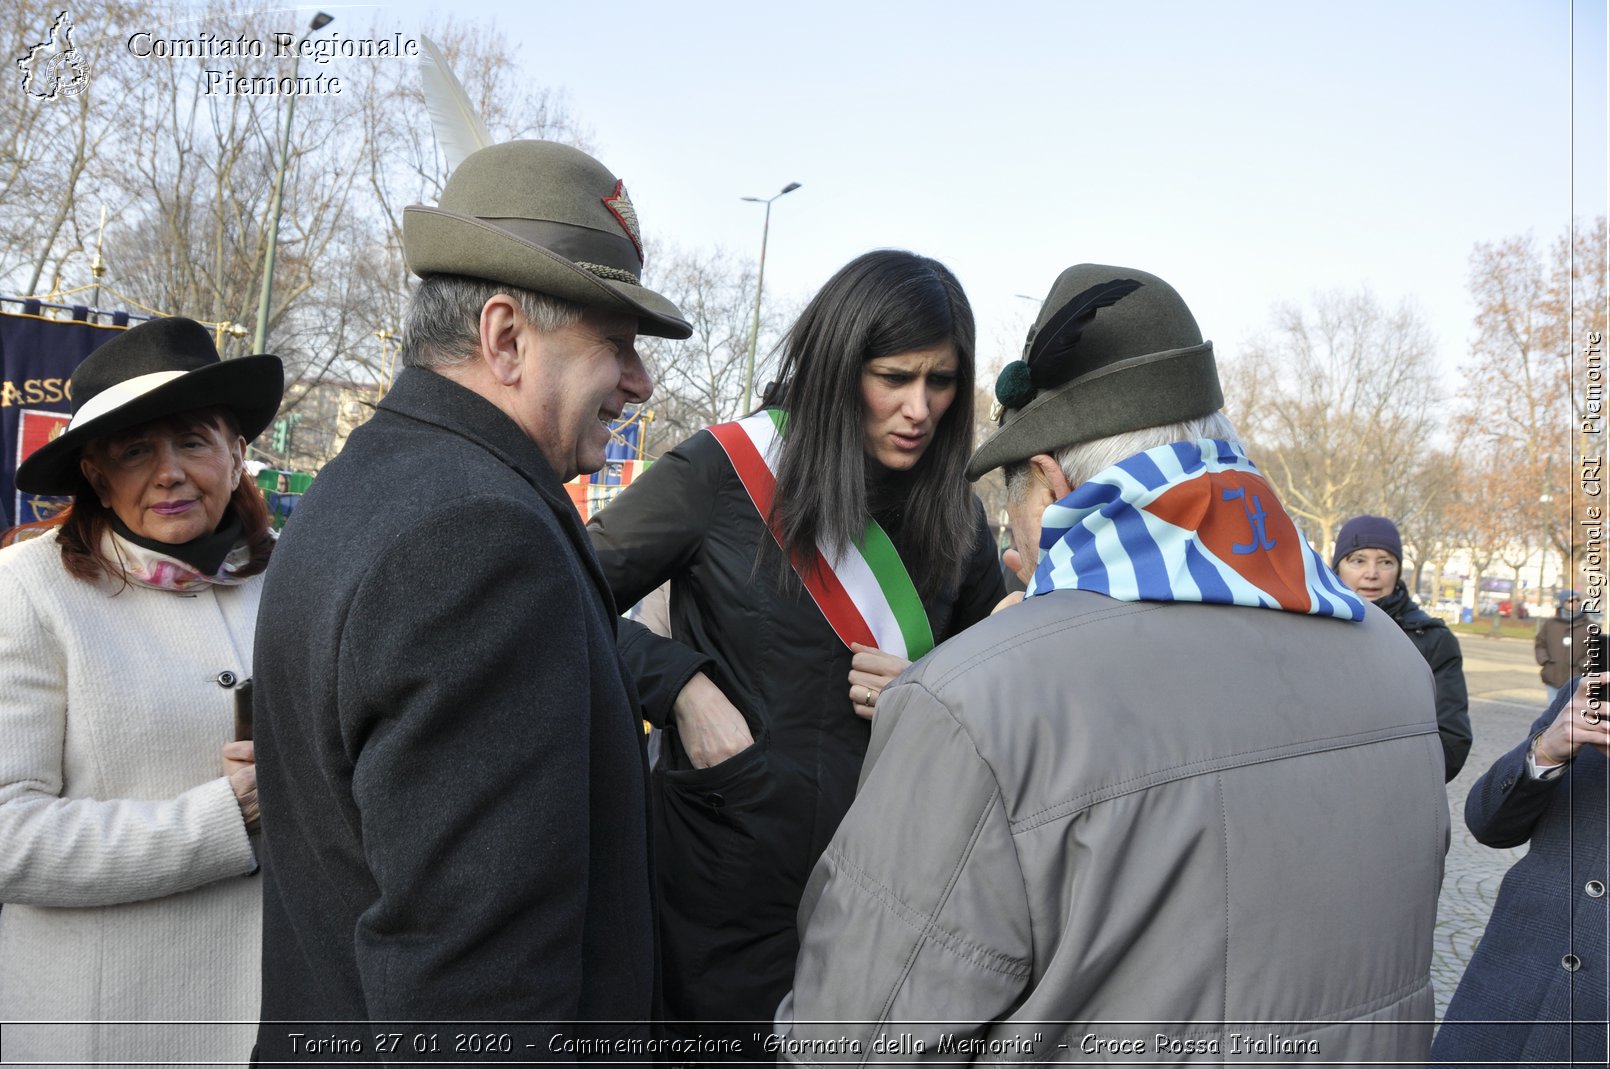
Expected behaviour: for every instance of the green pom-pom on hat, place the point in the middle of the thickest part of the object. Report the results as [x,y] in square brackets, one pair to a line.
[1014,387]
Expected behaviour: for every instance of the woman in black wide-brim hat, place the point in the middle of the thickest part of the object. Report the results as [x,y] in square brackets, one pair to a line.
[126,624]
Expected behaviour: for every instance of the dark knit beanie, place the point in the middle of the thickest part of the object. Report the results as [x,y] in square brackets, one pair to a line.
[1367,532]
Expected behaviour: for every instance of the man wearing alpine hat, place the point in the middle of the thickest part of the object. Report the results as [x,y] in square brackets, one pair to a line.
[1190,784]
[451,766]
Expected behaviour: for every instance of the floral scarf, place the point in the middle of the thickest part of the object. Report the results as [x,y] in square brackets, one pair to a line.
[148,568]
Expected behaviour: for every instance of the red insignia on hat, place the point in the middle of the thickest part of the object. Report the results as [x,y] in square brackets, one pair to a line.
[620,206]
[1237,517]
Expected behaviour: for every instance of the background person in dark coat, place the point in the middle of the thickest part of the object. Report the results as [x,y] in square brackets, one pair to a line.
[455,805]
[1369,559]
[1534,992]
[1561,643]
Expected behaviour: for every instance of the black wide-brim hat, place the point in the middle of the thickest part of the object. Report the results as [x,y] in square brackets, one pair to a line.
[159,368]
[544,217]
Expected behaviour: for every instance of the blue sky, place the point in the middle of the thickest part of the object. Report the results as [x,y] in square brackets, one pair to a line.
[1248,151]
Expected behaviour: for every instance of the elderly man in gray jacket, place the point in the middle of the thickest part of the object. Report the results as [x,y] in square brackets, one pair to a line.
[1183,802]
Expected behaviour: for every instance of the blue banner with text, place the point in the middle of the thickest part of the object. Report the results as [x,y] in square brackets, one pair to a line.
[37,358]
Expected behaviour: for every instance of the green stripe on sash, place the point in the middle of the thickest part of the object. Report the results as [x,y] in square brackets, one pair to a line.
[885,562]
[894,580]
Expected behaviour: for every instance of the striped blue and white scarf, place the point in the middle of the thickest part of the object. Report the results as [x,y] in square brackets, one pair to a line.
[1191,521]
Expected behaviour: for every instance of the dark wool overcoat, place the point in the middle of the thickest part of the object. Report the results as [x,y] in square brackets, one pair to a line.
[1534,992]
[449,754]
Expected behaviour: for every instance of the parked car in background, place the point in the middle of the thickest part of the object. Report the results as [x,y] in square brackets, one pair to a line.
[1507,608]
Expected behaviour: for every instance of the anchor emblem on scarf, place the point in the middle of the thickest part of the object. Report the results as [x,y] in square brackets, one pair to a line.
[1255,516]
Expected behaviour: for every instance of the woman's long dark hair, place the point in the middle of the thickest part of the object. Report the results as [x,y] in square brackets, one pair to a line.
[883,303]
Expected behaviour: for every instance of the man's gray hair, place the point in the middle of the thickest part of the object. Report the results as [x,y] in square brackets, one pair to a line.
[442,327]
[1079,463]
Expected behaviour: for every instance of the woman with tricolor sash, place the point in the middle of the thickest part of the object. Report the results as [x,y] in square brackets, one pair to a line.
[814,549]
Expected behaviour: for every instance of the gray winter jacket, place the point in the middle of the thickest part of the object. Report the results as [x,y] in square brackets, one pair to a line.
[1090,830]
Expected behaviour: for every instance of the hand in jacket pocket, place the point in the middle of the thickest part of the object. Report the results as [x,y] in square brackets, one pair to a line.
[711,727]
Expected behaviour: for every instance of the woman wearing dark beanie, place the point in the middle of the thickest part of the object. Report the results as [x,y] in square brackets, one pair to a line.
[1369,560]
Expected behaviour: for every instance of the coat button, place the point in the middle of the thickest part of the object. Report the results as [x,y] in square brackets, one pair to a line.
[1595,889]
[1571,962]
[714,800]
[226,679]
[1508,782]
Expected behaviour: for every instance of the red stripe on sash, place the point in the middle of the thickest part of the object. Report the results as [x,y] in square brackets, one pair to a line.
[820,582]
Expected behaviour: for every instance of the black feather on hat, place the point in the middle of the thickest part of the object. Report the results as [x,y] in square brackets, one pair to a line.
[1114,350]
[1052,359]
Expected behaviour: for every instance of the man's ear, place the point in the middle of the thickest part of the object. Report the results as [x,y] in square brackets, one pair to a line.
[501,320]
[1044,471]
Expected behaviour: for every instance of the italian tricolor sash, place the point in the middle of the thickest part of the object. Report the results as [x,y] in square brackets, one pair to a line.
[863,590]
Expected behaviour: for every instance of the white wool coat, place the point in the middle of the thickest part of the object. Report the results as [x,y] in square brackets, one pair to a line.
[124,858]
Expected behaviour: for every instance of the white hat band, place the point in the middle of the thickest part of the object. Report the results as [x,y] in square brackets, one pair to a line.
[119,395]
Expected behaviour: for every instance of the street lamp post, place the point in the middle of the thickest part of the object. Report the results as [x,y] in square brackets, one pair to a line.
[760,283]
[260,338]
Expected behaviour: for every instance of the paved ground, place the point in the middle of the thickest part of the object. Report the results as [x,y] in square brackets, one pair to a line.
[1505,697]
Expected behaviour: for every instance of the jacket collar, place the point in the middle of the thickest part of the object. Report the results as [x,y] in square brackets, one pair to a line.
[425,396]
[1405,610]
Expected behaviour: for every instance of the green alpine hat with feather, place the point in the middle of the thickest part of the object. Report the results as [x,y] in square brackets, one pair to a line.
[544,217]
[1113,350]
